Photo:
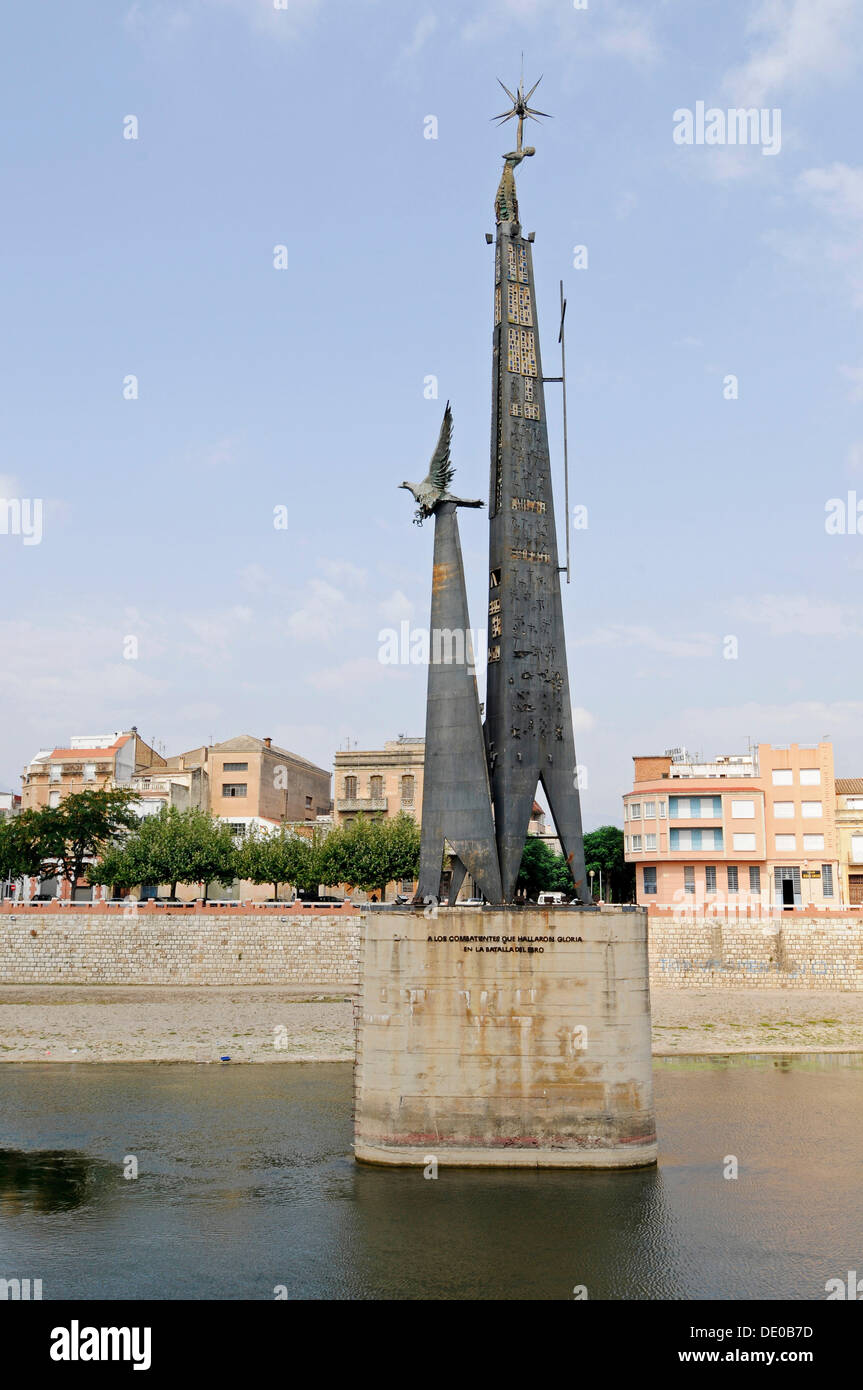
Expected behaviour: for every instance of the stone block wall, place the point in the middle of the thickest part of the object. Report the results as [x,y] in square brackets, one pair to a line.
[175,948]
[801,953]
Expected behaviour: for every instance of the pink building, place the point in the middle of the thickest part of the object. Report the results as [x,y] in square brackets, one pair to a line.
[754,830]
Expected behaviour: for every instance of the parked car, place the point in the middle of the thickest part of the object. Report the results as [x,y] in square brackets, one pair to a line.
[549,899]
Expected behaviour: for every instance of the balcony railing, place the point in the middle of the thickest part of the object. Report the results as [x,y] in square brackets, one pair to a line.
[361,803]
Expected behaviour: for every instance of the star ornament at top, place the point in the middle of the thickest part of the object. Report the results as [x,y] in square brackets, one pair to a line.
[520,108]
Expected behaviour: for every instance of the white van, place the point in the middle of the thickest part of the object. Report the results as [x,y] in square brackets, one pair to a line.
[550,899]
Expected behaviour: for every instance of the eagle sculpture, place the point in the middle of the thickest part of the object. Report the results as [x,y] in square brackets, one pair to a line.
[434,488]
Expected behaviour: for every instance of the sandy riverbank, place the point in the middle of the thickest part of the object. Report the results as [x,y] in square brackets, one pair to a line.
[278,1024]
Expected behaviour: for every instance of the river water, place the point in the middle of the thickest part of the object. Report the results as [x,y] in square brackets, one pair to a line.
[246,1183]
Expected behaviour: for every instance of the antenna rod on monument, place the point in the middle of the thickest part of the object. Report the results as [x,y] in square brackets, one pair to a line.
[561,338]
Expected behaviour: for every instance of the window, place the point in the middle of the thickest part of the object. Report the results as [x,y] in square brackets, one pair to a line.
[783,810]
[308,803]
[812,810]
[376,788]
[234,788]
[827,880]
[53,798]
[650,842]
[89,772]
[237,827]
[710,878]
[754,878]
[650,810]
[694,807]
[407,791]
[689,878]
[407,885]
[854,803]
[784,843]
[744,842]
[783,777]
[635,810]
[732,878]
[742,810]
[649,881]
[810,777]
[350,789]
[636,843]
[235,767]
[626,844]
[813,841]
[696,839]
[56,772]
[662,810]
[857,849]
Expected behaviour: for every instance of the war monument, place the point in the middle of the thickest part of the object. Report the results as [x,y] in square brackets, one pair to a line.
[502,1035]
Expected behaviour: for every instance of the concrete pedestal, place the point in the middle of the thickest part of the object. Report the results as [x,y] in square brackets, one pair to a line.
[505,1038]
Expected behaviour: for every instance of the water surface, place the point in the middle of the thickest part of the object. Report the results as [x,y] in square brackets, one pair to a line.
[246,1181]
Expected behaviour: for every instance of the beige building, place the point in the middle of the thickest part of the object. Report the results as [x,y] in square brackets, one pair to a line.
[379,781]
[849,824]
[90,761]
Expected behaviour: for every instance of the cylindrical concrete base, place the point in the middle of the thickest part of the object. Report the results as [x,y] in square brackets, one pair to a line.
[505,1038]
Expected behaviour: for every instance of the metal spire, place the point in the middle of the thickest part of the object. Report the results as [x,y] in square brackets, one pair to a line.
[520,108]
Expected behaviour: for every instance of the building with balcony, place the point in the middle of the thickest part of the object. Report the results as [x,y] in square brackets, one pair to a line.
[90,761]
[380,781]
[849,822]
[755,830]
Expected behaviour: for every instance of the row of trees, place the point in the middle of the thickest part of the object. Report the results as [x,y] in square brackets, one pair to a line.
[191,847]
[99,833]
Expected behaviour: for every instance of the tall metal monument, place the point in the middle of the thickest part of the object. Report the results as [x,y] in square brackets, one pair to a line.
[528,728]
[479,786]
[456,807]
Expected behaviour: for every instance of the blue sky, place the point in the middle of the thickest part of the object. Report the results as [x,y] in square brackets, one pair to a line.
[303,387]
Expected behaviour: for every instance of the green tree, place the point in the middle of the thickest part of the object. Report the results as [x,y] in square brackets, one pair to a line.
[173,847]
[283,857]
[79,829]
[369,854]
[22,846]
[542,870]
[603,850]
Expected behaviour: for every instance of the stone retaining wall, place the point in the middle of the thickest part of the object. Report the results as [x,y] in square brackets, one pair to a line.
[177,948]
[803,953]
[231,947]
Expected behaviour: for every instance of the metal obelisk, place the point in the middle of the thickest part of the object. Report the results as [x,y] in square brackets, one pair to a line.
[456,808]
[528,727]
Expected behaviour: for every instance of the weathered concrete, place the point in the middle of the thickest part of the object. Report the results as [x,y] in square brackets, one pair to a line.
[495,1037]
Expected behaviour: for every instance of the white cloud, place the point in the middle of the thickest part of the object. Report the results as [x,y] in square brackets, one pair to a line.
[359,672]
[855,376]
[320,615]
[633,635]
[613,29]
[795,42]
[166,18]
[397,607]
[798,614]
[838,190]
[425,26]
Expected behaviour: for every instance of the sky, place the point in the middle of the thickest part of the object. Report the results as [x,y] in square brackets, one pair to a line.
[713,600]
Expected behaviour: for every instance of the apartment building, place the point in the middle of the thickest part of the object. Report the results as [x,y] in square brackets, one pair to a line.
[88,762]
[756,829]
[849,821]
[379,781]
